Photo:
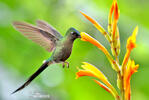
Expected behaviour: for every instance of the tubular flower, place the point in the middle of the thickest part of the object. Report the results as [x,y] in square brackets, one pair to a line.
[125,70]
[98,26]
[110,19]
[103,86]
[130,69]
[86,37]
[131,43]
[116,16]
[111,10]
[113,29]
[90,70]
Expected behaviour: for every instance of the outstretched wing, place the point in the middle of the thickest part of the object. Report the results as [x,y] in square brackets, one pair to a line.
[42,37]
[44,25]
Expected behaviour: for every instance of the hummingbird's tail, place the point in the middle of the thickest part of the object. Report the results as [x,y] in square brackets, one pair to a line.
[44,66]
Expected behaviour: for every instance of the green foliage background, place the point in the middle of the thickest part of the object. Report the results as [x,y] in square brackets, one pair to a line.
[20,57]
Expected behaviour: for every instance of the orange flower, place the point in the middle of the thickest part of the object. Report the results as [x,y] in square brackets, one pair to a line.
[130,69]
[95,23]
[86,37]
[116,13]
[111,10]
[98,26]
[116,16]
[90,70]
[125,70]
[131,43]
[110,19]
[103,86]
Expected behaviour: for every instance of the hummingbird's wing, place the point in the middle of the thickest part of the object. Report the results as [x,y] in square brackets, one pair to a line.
[47,27]
[42,37]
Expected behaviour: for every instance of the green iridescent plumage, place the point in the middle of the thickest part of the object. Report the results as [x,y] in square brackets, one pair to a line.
[50,39]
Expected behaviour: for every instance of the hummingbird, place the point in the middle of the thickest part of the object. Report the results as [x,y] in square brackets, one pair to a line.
[51,40]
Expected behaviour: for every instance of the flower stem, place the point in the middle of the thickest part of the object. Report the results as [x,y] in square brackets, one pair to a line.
[122,88]
[121,80]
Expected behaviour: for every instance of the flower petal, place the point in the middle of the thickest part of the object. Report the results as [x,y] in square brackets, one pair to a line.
[86,37]
[96,72]
[90,70]
[110,19]
[116,13]
[116,16]
[99,27]
[89,18]
[84,73]
[103,86]
[130,69]
[131,43]
[111,10]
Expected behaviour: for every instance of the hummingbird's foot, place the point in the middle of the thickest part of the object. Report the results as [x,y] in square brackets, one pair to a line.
[65,63]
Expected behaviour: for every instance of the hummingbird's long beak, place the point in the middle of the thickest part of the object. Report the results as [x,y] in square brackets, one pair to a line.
[79,36]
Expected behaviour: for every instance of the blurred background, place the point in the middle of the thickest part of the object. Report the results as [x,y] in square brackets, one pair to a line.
[20,57]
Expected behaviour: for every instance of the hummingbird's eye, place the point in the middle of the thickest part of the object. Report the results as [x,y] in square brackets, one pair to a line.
[72,33]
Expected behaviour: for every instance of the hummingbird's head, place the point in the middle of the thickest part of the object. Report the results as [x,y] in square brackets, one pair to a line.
[73,33]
